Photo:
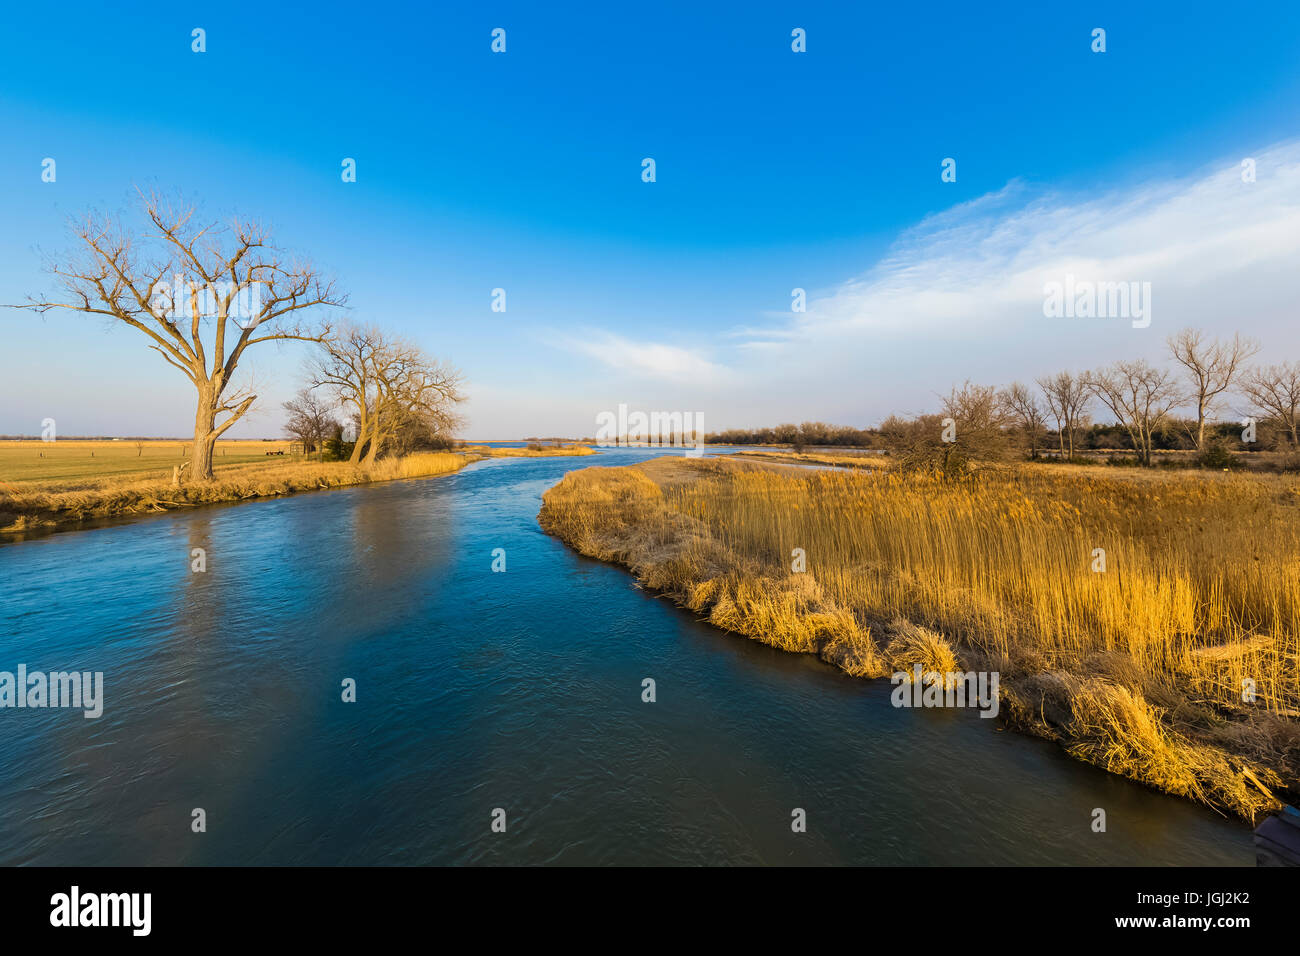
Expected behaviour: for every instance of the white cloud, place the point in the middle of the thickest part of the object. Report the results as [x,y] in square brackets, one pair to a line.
[652,361]
[983,264]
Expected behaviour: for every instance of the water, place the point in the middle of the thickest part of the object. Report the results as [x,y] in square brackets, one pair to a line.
[479,690]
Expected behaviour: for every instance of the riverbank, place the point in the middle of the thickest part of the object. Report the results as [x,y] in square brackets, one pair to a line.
[35,505]
[1136,659]
[532,451]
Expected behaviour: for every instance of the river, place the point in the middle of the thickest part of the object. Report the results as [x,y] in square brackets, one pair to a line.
[478,690]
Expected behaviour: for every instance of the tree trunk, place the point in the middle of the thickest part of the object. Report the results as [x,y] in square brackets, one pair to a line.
[205,419]
[363,426]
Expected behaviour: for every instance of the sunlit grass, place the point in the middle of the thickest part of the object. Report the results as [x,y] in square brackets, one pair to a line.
[73,461]
[35,505]
[1200,597]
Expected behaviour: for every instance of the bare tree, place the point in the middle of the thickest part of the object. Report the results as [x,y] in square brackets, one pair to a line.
[1068,397]
[414,393]
[1211,366]
[1275,392]
[971,427]
[389,385]
[345,365]
[1140,397]
[914,441]
[197,292]
[979,418]
[1023,410]
[311,419]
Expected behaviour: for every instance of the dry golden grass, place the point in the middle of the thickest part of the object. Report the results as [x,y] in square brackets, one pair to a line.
[71,461]
[828,459]
[42,505]
[1139,669]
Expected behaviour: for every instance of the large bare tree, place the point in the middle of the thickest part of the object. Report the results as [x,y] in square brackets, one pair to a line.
[1274,390]
[388,383]
[1068,397]
[1140,396]
[202,293]
[1212,366]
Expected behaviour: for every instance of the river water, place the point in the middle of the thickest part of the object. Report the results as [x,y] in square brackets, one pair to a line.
[478,690]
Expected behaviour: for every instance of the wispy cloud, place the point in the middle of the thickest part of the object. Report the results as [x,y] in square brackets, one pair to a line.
[654,361]
[983,264]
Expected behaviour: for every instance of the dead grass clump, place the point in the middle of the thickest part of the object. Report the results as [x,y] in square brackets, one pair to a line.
[909,645]
[1118,730]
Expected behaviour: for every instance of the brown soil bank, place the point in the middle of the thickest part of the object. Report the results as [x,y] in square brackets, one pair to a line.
[1150,624]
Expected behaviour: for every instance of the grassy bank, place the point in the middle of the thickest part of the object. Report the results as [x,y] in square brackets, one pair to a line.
[1138,669]
[42,505]
[66,486]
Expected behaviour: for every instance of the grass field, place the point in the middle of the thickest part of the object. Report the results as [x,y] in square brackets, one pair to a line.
[1141,668]
[83,461]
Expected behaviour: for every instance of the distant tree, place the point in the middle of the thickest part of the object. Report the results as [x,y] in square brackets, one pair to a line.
[1275,393]
[1140,397]
[1022,407]
[311,419]
[1068,397]
[972,427]
[980,420]
[196,325]
[1211,366]
[911,440]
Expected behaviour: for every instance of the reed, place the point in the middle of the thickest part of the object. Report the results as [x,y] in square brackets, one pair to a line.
[1146,668]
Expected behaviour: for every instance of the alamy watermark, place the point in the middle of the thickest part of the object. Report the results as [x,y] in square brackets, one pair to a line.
[664,429]
[1084,299]
[77,909]
[36,689]
[181,298]
[923,688]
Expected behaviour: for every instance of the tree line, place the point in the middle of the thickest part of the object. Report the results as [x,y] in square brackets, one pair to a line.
[1205,378]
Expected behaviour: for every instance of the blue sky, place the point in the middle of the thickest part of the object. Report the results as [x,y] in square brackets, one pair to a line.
[775,170]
